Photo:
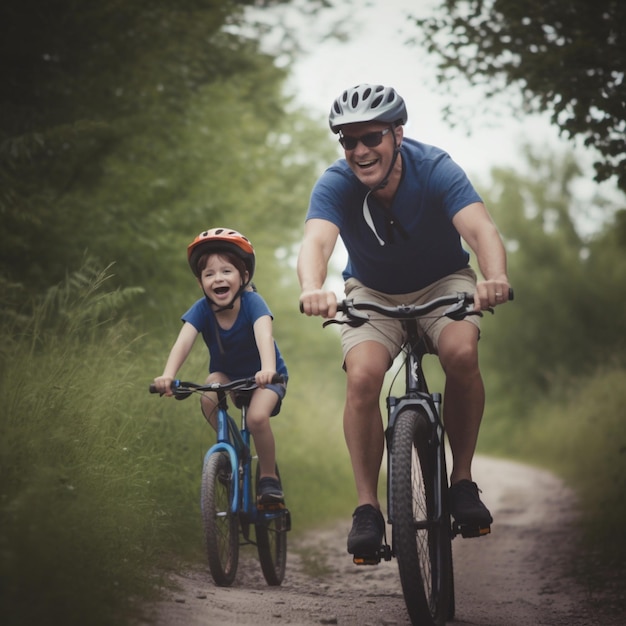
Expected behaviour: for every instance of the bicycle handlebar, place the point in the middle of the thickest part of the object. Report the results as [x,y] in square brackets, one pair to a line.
[182,390]
[460,306]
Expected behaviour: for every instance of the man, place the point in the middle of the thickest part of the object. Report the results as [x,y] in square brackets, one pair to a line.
[401,208]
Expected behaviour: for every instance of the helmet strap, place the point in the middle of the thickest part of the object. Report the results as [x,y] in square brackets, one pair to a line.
[391,221]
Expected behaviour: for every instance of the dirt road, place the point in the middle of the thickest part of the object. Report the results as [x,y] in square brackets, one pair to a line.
[517,576]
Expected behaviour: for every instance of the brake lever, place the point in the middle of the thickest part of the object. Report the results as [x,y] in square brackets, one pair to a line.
[459,311]
[349,322]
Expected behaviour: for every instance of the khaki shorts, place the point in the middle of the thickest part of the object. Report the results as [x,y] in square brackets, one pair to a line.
[389,332]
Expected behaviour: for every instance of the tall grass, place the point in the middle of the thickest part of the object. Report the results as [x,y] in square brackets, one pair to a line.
[578,432]
[80,512]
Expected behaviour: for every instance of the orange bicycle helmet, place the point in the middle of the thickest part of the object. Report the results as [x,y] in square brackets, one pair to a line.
[221,240]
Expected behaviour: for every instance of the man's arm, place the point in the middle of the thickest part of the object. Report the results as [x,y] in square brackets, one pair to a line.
[477,228]
[320,237]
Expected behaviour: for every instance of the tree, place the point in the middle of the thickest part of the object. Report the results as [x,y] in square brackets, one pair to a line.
[126,128]
[567,57]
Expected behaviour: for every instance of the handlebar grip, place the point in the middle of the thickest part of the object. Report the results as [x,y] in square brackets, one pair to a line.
[511,294]
[153,389]
[278,379]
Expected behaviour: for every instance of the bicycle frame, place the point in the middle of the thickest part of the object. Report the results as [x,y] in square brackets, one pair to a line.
[235,442]
[416,394]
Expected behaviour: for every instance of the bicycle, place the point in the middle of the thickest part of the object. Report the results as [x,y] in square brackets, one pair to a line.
[417,478]
[227,504]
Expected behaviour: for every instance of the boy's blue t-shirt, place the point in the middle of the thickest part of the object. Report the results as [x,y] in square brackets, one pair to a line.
[236,354]
[432,190]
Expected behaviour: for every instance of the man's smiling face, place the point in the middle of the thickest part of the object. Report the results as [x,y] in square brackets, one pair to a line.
[370,164]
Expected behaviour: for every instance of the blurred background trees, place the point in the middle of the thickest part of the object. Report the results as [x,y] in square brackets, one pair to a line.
[561,56]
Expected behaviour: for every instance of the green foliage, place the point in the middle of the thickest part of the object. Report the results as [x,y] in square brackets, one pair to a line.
[139,126]
[568,316]
[553,359]
[566,57]
[71,461]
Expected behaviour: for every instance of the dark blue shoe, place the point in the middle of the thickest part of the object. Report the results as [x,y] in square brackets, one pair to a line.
[269,492]
[465,505]
[368,528]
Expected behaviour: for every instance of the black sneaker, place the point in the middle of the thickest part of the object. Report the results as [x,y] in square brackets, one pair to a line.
[465,505]
[368,528]
[269,492]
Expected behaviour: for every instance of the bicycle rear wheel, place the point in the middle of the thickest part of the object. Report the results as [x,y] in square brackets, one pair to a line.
[271,538]
[421,540]
[221,530]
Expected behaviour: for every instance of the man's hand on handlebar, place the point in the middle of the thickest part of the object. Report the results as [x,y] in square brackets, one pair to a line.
[490,293]
[319,302]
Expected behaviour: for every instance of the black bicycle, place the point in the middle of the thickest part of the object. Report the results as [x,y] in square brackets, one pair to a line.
[229,509]
[417,478]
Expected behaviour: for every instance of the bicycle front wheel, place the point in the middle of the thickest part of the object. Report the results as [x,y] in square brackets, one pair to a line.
[421,538]
[271,538]
[221,530]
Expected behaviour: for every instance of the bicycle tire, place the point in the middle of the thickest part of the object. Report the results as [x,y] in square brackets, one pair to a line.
[221,525]
[271,539]
[421,543]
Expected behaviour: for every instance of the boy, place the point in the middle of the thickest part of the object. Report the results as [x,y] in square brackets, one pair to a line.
[236,325]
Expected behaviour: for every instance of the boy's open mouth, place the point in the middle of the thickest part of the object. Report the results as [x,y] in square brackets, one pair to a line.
[221,290]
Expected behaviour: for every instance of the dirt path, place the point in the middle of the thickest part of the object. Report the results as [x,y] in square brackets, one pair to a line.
[517,576]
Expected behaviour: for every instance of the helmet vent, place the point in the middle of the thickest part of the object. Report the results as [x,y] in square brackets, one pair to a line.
[377,102]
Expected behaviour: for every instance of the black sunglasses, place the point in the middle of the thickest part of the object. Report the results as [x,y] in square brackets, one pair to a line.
[369,140]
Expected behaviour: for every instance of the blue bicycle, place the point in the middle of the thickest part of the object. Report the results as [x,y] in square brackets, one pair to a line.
[227,502]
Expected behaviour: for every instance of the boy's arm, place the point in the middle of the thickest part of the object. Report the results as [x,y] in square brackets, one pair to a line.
[179,352]
[265,344]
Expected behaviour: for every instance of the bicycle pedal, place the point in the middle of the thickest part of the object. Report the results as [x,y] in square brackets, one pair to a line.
[271,506]
[384,553]
[366,560]
[467,530]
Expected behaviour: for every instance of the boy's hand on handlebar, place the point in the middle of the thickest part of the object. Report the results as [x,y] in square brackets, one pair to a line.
[490,293]
[264,377]
[319,302]
[163,384]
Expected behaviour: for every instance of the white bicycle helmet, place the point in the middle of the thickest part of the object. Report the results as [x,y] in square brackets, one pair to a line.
[367,103]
